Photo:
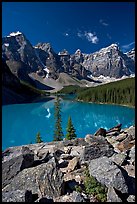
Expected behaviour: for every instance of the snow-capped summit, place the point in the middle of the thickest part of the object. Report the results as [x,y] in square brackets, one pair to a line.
[108,61]
[14,34]
[112,46]
[78,51]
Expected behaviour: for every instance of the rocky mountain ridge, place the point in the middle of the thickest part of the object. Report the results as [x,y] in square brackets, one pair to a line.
[41,67]
[55,171]
[43,60]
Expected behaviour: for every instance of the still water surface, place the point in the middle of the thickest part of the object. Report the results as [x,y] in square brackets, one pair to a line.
[21,122]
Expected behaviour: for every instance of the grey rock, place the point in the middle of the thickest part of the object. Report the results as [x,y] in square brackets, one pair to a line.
[77,175]
[74,142]
[112,196]
[77,151]
[43,155]
[72,197]
[131,132]
[119,158]
[44,180]
[12,167]
[131,198]
[130,169]
[98,146]
[108,173]
[13,196]
[19,196]
[132,154]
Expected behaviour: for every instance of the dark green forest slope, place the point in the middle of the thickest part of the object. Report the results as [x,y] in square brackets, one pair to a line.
[118,92]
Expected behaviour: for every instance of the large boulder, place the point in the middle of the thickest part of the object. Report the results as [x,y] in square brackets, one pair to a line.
[44,180]
[108,173]
[12,165]
[19,196]
[97,147]
[14,196]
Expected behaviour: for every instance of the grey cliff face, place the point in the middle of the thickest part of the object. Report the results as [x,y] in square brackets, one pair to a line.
[109,61]
[16,47]
[42,59]
[8,79]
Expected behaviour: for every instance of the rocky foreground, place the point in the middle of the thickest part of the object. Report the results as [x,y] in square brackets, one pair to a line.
[55,171]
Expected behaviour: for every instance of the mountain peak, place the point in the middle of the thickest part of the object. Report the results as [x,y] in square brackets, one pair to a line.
[63,52]
[44,46]
[78,51]
[112,46]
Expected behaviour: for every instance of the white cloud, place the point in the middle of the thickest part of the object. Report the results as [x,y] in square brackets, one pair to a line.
[66,34]
[103,22]
[127,47]
[89,36]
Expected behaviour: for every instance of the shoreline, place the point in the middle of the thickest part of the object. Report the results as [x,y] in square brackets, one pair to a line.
[129,106]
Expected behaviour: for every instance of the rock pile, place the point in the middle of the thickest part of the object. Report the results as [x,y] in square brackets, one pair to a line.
[50,172]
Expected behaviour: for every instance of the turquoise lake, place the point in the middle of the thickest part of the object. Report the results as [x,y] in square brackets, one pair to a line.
[21,122]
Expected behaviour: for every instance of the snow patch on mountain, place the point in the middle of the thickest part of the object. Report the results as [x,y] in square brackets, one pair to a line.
[14,34]
[47,70]
[6,44]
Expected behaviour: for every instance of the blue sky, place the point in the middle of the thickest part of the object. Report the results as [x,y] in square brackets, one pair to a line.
[88,26]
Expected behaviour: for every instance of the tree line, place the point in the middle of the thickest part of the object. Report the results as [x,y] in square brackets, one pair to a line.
[119,92]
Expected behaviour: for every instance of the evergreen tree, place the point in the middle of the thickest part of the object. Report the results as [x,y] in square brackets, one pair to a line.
[70,130]
[38,138]
[58,134]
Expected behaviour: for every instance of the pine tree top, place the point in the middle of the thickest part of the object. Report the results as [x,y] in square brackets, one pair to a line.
[70,130]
